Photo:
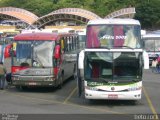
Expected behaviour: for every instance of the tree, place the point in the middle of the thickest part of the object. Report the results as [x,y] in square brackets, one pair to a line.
[149,13]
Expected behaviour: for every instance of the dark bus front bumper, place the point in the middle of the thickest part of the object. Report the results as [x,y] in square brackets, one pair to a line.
[33,81]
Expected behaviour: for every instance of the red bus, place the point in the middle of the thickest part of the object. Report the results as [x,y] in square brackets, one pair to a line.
[5,46]
[43,59]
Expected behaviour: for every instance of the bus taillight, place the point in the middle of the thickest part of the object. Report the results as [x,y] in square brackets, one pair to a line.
[7,51]
[55,71]
[57,52]
[17,68]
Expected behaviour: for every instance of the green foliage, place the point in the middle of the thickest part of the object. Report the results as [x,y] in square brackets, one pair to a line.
[147,11]
[38,7]
[149,14]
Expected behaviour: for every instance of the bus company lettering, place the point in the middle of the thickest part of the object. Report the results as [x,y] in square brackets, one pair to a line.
[121,37]
[107,37]
[114,37]
[95,83]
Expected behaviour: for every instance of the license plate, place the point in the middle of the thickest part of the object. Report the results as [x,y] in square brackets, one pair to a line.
[113,96]
[32,83]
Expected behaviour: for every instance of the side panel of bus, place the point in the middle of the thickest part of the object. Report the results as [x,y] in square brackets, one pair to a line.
[68,46]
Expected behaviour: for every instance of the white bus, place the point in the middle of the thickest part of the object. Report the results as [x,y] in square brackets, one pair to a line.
[82,38]
[111,65]
[152,45]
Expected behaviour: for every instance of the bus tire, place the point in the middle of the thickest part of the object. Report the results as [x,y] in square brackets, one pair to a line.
[18,87]
[134,102]
[74,72]
[24,87]
[60,82]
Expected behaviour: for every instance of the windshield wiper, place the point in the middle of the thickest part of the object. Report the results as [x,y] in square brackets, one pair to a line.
[126,78]
[105,47]
[38,61]
[104,79]
[125,46]
[97,79]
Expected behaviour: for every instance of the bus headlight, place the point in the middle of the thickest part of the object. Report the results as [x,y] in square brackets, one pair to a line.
[91,88]
[15,78]
[48,79]
[134,88]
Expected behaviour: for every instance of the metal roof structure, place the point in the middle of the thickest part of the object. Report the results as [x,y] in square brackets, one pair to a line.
[79,16]
[67,14]
[122,13]
[17,14]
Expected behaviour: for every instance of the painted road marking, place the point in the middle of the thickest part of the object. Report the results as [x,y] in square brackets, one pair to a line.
[150,103]
[71,104]
[66,102]
[70,95]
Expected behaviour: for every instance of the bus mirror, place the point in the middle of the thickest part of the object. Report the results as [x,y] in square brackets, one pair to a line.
[81,60]
[57,52]
[146,60]
[13,50]
[7,51]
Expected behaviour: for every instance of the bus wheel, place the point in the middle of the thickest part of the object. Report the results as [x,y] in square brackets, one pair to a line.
[60,82]
[134,102]
[23,87]
[18,87]
[74,71]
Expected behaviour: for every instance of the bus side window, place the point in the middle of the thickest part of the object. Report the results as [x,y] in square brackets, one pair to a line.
[68,46]
[77,41]
[62,45]
[73,43]
[74,38]
[70,43]
[65,44]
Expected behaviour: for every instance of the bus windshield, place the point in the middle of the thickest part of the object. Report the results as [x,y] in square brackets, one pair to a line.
[34,53]
[152,45]
[112,36]
[82,39]
[117,66]
[6,40]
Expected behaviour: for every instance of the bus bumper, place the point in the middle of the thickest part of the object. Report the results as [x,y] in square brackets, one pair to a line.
[33,83]
[130,95]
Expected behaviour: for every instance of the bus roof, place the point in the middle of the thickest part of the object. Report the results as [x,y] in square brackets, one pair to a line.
[151,36]
[119,21]
[40,36]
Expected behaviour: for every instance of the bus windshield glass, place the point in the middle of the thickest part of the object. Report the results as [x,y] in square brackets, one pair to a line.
[82,39]
[117,66]
[6,40]
[113,36]
[152,45]
[33,53]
